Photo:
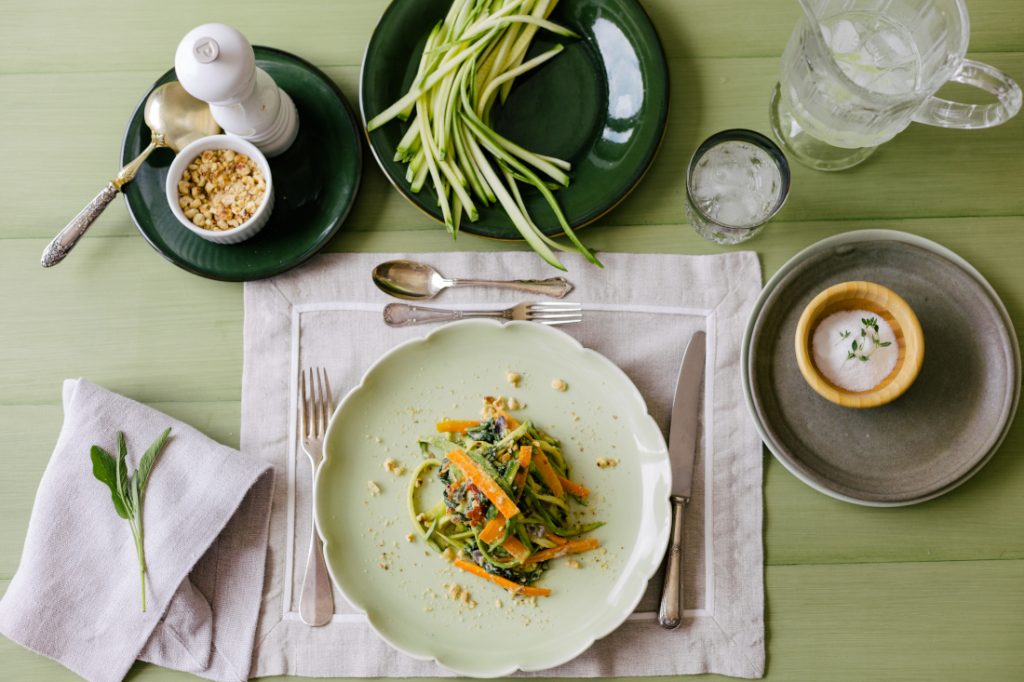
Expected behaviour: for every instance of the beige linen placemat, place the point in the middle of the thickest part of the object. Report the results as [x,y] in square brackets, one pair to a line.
[639,312]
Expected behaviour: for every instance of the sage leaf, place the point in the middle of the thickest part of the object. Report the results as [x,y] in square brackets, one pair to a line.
[148,460]
[105,470]
[127,490]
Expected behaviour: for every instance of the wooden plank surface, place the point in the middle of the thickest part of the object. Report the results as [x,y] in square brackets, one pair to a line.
[924,593]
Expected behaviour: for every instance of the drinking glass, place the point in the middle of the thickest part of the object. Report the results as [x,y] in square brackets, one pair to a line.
[736,182]
[857,72]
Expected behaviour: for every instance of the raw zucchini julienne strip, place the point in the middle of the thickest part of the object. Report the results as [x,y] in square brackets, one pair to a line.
[469,167]
[465,31]
[442,195]
[496,56]
[542,9]
[492,23]
[495,142]
[437,163]
[573,547]
[514,587]
[525,228]
[485,100]
[485,483]
[522,207]
[433,79]
[536,182]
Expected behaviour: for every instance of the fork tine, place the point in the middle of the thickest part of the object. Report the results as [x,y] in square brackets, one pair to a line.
[327,394]
[303,409]
[552,322]
[571,317]
[318,401]
[568,311]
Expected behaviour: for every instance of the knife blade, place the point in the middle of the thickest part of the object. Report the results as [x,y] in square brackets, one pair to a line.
[682,451]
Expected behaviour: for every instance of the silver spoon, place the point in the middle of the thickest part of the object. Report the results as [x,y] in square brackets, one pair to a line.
[175,118]
[418,282]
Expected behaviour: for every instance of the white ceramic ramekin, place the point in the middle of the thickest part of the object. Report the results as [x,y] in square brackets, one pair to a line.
[236,234]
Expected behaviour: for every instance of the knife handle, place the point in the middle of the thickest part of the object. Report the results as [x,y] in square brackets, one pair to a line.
[670,615]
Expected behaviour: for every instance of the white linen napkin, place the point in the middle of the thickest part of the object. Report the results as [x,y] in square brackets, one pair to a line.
[76,594]
[638,311]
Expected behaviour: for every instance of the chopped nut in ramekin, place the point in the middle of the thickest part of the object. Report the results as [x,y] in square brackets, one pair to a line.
[221,189]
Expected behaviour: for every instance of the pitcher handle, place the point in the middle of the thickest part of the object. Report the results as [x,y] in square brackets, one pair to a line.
[946,114]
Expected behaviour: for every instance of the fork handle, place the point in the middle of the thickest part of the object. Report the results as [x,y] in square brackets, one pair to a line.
[403,314]
[556,287]
[316,602]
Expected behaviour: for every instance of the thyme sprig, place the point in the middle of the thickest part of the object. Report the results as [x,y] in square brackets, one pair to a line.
[866,343]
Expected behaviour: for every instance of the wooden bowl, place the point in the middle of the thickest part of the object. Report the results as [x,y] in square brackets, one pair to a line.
[890,307]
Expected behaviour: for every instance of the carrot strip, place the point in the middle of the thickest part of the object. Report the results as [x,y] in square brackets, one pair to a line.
[485,483]
[510,422]
[547,474]
[554,538]
[574,547]
[525,457]
[574,488]
[523,590]
[517,549]
[493,530]
[456,425]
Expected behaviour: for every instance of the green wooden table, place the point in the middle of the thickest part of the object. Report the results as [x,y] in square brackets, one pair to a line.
[933,592]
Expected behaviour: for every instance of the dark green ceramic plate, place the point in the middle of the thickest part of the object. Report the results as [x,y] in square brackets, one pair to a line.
[601,105]
[315,182]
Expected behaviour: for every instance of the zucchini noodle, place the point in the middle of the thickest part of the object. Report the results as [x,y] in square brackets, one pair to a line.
[507,506]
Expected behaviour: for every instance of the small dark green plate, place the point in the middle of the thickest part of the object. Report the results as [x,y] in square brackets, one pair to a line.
[315,182]
[601,104]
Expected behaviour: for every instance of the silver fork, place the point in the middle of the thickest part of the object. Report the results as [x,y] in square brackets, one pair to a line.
[546,312]
[316,601]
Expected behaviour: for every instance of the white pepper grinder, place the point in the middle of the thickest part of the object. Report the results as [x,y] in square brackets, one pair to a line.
[215,63]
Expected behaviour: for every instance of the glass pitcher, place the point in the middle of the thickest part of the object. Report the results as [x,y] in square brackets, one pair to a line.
[856,72]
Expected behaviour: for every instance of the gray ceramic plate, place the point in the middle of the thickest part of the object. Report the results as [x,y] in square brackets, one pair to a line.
[934,437]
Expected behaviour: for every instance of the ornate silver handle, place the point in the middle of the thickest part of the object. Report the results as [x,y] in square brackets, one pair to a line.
[403,314]
[316,602]
[69,236]
[670,615]
[556,287]
[66,239]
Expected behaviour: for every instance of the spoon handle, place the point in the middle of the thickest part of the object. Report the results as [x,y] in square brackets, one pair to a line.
[66,239]
[556,287]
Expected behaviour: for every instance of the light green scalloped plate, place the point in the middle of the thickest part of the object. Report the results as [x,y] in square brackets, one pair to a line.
[401,585]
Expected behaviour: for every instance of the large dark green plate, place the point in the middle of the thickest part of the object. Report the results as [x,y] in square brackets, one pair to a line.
[315,182]
[601,104]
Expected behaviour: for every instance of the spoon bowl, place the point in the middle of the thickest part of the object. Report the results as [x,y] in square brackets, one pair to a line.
[409,280]
[414,281]
[176,117]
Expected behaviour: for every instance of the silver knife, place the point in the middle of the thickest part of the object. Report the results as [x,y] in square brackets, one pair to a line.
[682,450]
